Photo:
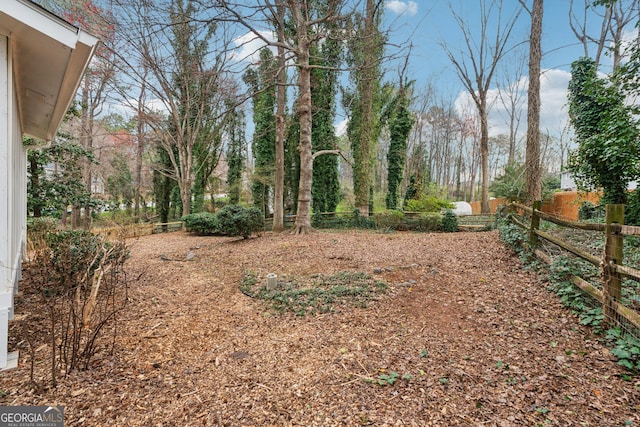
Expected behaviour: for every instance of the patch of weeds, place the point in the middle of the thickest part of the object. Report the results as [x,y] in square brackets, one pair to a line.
[501,365]
[626,350]
[391,378]
[387,379]
[424,353]
[317,294]
[570,295]
[512,235]
[592,317]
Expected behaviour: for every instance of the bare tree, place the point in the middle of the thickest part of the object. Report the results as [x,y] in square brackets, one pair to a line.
[183,68]
[476,64]
[308,29]
[511,94]
[578,23]
[141,144]
[615,19]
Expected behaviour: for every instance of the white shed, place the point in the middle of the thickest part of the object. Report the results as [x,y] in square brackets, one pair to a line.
[42,60]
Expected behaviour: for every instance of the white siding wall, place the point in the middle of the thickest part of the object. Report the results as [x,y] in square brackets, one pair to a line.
[12,197]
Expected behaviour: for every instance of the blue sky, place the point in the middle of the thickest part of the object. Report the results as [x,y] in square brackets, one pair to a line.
[427,24]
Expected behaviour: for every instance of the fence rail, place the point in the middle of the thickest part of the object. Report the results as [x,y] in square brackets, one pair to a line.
[137,230]
[610,263]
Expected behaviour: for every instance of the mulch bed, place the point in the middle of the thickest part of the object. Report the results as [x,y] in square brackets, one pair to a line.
[464,337]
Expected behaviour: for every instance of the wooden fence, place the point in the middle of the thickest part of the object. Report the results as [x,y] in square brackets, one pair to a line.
[613,271]
[471,222]
[137,230]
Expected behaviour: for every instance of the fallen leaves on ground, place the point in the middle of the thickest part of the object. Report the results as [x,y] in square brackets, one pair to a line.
[464,337]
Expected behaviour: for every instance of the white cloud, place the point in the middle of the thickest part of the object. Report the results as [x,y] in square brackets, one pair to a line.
[553,98]
[554,109]
[248,46]
[128,107]
[341,127]
[401,7]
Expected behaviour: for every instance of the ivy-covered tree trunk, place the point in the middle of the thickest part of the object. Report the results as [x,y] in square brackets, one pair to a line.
[326,185]
[35,200]
[400,126]
[262,83]
[365,57]
[484,156]
[163,186]
[292,164]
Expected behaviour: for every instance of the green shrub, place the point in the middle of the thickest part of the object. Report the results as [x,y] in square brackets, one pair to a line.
[235,220]
[449,222]
[426,204]
[425,222]
[202,223]
[632,210]
[512,235]
[586,211]
[591,212]
[38,229]
[361,221]
[389,220]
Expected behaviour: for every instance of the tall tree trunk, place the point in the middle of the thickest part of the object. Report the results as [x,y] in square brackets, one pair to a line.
[532,162]
[364,179]
[281,81]
[139,149]
[303,215]
[484,156]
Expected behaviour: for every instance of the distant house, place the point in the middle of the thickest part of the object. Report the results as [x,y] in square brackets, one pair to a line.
[568,184]
[42,60]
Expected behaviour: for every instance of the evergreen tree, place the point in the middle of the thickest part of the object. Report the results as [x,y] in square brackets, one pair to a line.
[163,184]
[62,185]
[261,80]
[120,183]
[325,188]
[364,57]
[236,155]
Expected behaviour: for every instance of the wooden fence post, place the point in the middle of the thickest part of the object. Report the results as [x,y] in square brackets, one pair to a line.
[613,254]
[535,225]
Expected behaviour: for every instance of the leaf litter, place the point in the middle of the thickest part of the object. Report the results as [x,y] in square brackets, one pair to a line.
[463,336]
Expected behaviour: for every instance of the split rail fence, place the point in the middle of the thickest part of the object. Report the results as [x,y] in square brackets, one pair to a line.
[137,230]
[612,270]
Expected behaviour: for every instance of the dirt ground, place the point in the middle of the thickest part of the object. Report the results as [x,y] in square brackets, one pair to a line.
[479,341]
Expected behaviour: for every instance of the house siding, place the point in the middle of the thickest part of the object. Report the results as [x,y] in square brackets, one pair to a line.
[12,196]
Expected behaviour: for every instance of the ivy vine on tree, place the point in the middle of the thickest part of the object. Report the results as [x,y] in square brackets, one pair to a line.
[608,150]
[400,123]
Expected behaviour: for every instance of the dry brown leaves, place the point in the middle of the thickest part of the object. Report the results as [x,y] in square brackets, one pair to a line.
[483,342]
